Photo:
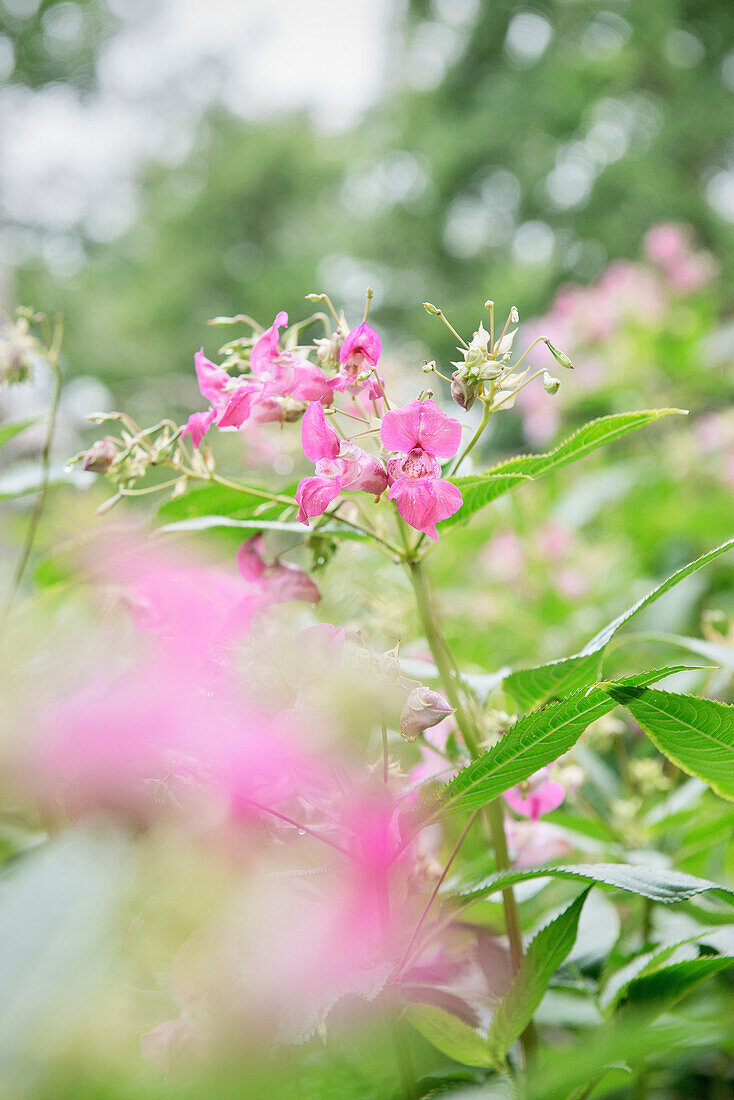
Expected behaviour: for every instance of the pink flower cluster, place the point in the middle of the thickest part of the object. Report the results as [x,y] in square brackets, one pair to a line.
[581,318]
[283,385]
[280,384]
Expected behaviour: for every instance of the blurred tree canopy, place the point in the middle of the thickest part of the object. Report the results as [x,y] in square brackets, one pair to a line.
[519,146]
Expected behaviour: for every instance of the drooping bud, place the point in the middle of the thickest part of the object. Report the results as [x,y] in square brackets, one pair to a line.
[514,316]
[423,708]
[550,384]
[559,356]
[100,456]
[462,393]
[430,308]
[429,368]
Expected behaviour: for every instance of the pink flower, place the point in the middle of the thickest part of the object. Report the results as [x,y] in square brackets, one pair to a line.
[536,796]
[360,351]
[285,373]
[535,842]
[278,378]
[278,582]
[423,434]
[340,465]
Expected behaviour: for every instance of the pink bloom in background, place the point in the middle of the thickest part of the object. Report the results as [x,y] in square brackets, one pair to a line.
[141,742]
[360,351]
[277,582]
[669,245]
[503,557]
[538,795]
[535,842]
[340,465]
[421,434]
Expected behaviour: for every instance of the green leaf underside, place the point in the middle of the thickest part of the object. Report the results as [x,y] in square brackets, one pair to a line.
[656,883]
[535,740]
[544,955]
[532,686]
[9,431]
[480,489]
[696,734]
[208,523]
[449,1034]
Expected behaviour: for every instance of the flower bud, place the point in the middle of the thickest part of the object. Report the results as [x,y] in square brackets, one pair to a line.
[430,308]
[423,708]
[550,384]
[100,456]
[462,393]
[514,316]
[559,356]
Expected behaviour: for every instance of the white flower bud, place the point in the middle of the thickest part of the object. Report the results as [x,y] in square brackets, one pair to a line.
[423,708]
[550,384]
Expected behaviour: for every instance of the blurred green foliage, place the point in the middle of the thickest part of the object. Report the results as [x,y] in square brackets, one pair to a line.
[577,124]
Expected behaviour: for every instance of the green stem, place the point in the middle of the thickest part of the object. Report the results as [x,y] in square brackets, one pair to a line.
[475,438]
[41,498]
[467,724]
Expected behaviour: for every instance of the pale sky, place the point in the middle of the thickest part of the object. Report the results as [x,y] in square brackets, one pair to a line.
[66,161]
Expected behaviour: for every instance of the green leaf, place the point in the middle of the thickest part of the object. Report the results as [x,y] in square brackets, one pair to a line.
[541,960]
[696,734]
[449,1034]
[637,967]
[657,883]
[479,489]
[668,984]
[218,500]
[9,431]
[532,686]
[535,740]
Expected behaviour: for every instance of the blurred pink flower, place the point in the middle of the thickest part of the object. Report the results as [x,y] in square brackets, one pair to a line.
[503,557]
[423,434]
[538,795]
[536,842]
[275,582]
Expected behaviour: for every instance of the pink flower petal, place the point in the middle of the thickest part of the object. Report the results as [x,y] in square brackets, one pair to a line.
[239,406]
[310,384]
[266,347]
[424,501]
[362,341]
[421,424]
[319,439]
[314,495]
[212,379]
[198,425]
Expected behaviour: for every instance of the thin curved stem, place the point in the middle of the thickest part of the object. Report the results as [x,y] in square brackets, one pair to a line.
[41,498]
[302,828]
[437,887]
